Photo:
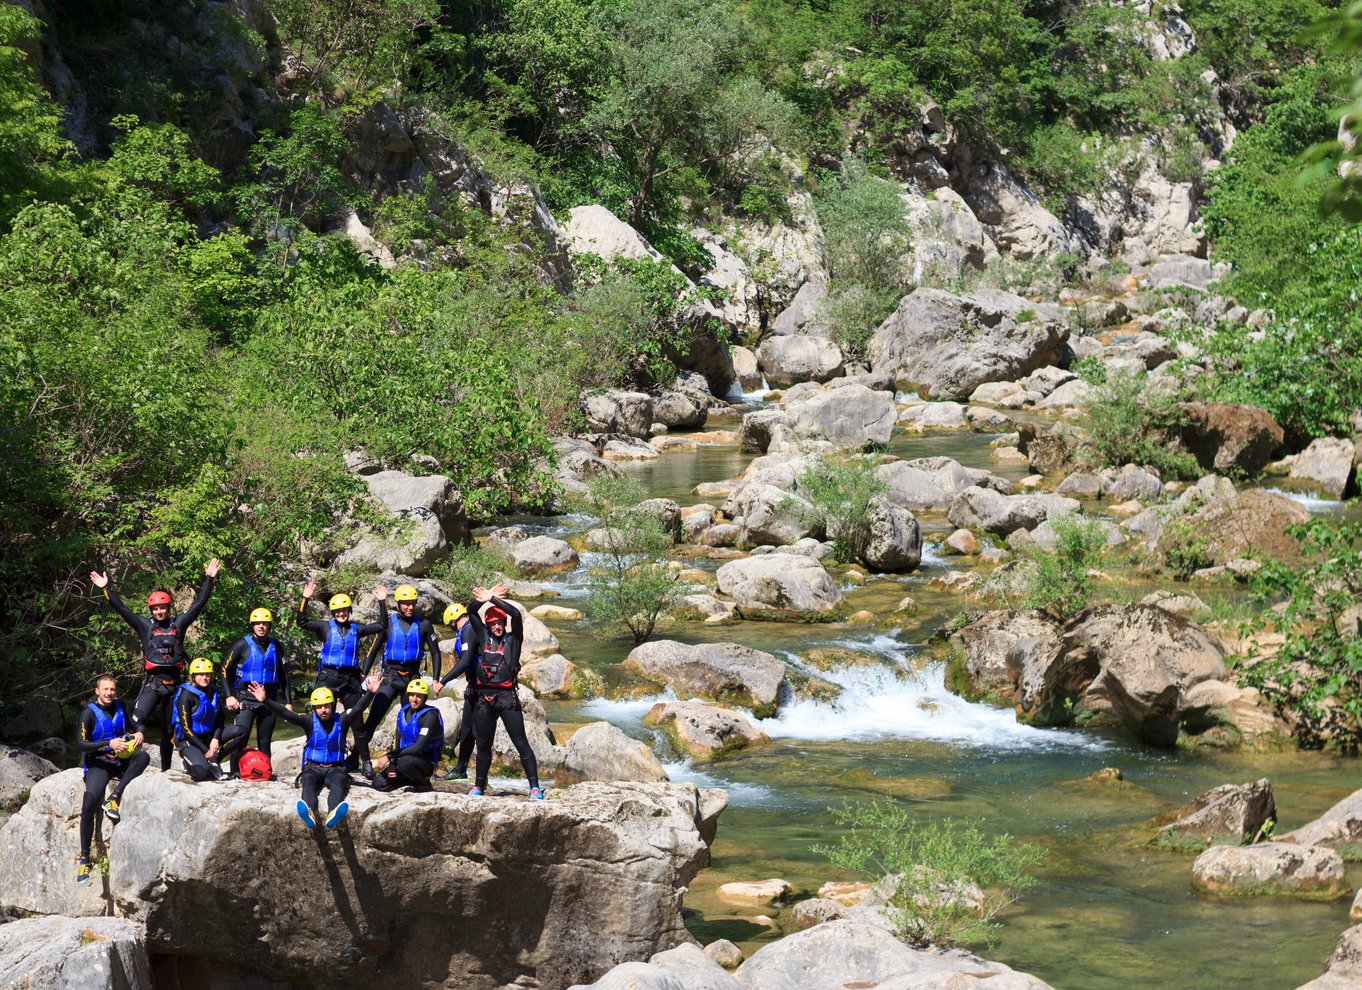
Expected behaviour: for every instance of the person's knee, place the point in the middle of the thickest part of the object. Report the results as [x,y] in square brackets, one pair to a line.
[199,774]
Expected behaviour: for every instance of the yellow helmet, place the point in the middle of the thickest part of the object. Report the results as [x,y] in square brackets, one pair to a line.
[339,602]
[200,665]
[453,613]
[261,615]
[322,696]
[418,685]
[405,593]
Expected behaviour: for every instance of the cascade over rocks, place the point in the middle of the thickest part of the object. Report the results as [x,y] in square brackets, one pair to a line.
[493,890]
[728,673]
[949,345]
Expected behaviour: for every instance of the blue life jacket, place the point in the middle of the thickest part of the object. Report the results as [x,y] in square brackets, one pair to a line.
[403,649]
[324,746]
[107,727]
[409,730]
[339,650]
[205,716]
[260,668]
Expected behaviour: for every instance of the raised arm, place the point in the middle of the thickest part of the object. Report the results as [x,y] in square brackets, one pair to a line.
[257,691]
[301,619]
[102,582]
[186,618]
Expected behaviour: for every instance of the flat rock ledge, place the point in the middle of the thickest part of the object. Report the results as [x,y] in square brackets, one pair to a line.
[1271,868]
[230,889]
[73,954]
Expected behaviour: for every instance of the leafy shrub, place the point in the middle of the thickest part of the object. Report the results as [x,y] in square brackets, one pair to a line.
[1128,422]
[931,868]
[1058,581]
[1184,547]
[841,492]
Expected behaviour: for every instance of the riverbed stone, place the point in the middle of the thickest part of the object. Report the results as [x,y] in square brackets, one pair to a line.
[1272,868]
[779,585]
[56,953]
[1327,465]
[767,514]
[785,360]
[932,483]
[998,648]
[850,416]
[19,771]
[704,730]
[618,411]
[934,416]
[893,541]
[763,892]
[541,555]
[725,953]
[500,899]
[1226,437]
[986,509]
[815,911]
[601,751]
[1343,971]
[1339,828]
[961,543]
[1248,523]
[1231,814]
[729,673]
[555,676]
[629,449]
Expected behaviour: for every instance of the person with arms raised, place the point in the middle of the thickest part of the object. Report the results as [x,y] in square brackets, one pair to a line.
[162,640]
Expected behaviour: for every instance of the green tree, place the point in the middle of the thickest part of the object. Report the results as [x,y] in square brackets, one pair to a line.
[841,491]
[31,142]
[1060,581]
[1128,421]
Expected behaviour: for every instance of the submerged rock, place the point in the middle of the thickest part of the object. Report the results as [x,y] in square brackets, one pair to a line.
[1273,868]
[490,888]
[1340,828]
[703,730]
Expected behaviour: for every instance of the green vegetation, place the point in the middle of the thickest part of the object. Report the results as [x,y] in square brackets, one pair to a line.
[1184,547]
[841,492]
[1058,581]
[1130,422]
[1315,677]
[635,585]
[946,880]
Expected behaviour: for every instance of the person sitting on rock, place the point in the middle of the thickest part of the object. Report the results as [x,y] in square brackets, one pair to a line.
[495,658]
[324,752]
[418,741]
[202,737]
[257,658]
[162,638]
[457,616]
[339,669]
[411,637]
[111,753]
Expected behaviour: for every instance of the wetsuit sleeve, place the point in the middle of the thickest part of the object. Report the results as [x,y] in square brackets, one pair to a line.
[310,625]
[354,713]
[220,722]
[186,704]
[464,660]
[229,668]
[292,718]
[186,618]
[433,648]
[369,628]
[420,746]
[285,678]
[87,729]
[139,622]
[375,651]
[515,631]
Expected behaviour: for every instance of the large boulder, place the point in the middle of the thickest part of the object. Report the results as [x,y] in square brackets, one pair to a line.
[555,676]
[893,540]
[787,360]
[1231,814]
[1251,523]
[1272,868]
[1343,971]
[593,229]
[728,673]
[402,494]
[1327,465]
[846,953]
[849,416]
[618,411]
[704,730]
[601,751]
[543,555]
[947,346]
[1224,436]
[19,771]
[767,514]
[779,585]
[1014,216]
[998,648]
[986,509]
[1340,828]
[492,888]
[931,483]
[428,517]
[58,953]
[686,967]
[677,410]
[1143,662]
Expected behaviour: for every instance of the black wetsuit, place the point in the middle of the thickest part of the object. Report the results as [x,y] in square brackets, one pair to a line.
[101,765]
[162,658]
[412,764]
[463,652]
[260,660]
[345,681]
[496,665]
[332,773]
[195,732]
[417,638]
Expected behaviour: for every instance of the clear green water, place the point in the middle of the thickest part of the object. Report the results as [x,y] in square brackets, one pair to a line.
[1108,912]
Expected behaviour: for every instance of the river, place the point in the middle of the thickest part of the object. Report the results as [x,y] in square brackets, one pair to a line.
[1108,912]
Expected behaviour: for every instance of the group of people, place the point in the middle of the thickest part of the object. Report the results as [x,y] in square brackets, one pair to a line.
[206,721]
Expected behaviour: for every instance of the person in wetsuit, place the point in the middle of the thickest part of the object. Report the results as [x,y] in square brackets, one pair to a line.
[257,658]
[111,752]
[339,667]
[495,656]
[457,617]
[410,638]
[418,741]
[324,752]
[162,640]
[202,737]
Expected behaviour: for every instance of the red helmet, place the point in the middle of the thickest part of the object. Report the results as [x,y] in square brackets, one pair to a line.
[158,598]
[255,765]
[493,614]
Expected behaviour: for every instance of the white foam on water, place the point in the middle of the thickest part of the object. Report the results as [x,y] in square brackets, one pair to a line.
[877,704]
[755,397]
[932,555]
[627,713]
[1312,503]
[739,793]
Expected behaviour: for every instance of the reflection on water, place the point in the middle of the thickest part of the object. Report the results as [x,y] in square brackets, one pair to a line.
[1108,914]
